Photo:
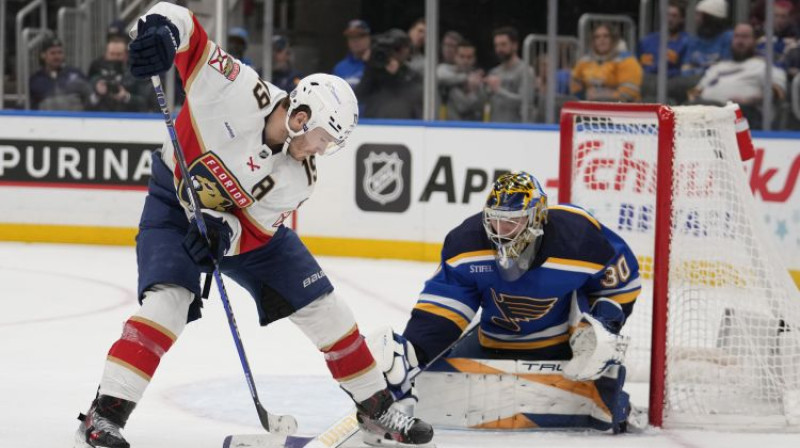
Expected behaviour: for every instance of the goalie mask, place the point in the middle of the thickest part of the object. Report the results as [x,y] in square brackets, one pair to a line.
[513,217]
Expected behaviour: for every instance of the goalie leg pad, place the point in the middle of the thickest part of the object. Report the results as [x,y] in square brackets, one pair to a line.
[397,359]
[616,400]
[514,394]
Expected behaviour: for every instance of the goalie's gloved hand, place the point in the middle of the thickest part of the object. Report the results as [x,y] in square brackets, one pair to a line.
[196,245]
[396,357]
[594,349]
[153,50]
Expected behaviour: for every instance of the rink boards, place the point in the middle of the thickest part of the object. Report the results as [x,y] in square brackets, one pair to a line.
[393,193]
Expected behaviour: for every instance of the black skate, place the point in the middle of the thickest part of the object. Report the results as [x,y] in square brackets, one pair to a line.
[101,425]
[384,425]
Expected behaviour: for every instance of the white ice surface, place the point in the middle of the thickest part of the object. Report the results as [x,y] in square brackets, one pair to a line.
[62,306]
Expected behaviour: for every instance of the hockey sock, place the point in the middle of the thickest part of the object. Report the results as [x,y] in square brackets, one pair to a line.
[330,325]
[352,365]
[146,337]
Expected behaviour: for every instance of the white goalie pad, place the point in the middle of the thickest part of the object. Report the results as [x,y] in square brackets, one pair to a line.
[507,394]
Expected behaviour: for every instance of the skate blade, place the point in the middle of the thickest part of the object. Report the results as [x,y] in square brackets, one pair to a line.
[375,440]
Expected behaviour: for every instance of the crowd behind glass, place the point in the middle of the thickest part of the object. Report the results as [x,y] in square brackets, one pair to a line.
[721,62]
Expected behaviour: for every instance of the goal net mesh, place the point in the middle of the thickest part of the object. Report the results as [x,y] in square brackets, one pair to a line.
[733,325]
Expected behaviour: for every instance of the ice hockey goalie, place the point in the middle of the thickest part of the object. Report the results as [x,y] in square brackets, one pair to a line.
[554,287]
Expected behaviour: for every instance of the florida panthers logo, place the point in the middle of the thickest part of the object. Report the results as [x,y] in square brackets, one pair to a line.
[515,309]
[209,194]
[217,188]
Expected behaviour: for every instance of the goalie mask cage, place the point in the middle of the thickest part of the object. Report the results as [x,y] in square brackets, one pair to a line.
[716,328]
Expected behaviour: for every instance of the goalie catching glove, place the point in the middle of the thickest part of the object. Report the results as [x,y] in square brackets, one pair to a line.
[595,344]
[397,359]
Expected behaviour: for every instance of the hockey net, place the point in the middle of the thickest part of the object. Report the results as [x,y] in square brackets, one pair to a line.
[723,338]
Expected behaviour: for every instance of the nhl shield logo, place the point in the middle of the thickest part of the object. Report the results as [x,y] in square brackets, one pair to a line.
[384,178]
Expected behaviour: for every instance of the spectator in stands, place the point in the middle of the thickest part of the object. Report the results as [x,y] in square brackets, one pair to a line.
[351,68]
[57,86]
[607,74]
[117,29]
[505,82]
[237,44]
[450,42]
[786,32]
[676,50]
[741,79]
[713,41]
[465,100]
[416,59]
[389,88]
[563,77]
[448,74]
[114,89]
[284,75]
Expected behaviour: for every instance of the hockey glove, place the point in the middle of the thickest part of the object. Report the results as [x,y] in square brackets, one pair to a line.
[196,245]
[397,360]
[153,50]
[594,349]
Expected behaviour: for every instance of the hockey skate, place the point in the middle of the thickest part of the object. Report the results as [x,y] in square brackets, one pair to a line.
[101,425]
[385,425]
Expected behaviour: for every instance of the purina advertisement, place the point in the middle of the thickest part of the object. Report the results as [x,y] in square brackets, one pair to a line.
[395,192]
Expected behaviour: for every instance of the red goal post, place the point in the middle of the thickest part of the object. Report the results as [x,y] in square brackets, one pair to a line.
[670,181]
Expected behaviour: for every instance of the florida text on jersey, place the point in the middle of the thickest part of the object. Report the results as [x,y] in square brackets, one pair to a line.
[579,261]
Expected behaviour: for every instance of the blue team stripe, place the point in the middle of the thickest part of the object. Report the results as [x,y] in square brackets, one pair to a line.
[439,305]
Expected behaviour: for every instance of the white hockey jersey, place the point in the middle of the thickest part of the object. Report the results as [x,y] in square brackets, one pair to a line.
[221,132]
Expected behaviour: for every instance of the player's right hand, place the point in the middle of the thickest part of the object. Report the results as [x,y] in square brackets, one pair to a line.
[204,255]
[153,50]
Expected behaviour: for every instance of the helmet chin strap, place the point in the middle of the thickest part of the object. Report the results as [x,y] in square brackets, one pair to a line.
[285,148]
[291,134]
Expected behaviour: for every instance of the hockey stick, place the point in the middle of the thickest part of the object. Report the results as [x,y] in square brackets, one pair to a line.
[282,424]
[345,428]
[339,432]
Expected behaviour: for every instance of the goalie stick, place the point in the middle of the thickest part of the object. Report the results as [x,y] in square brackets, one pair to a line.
[337,434]
[282,424]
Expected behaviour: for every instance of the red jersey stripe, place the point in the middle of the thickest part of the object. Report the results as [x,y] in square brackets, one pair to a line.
[191,57]
[188,136]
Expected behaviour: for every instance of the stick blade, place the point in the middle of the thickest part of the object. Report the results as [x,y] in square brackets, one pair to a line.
[265,441]
[276,424]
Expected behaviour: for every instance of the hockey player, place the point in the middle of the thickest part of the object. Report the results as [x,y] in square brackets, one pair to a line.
[251,150]
[553,284]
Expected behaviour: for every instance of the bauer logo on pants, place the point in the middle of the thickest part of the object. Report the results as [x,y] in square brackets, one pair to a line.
[383,178]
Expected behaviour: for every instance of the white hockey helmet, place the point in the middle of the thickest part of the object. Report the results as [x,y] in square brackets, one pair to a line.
[333,105]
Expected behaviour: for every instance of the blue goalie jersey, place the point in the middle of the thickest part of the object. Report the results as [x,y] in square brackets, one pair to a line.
[579,262]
